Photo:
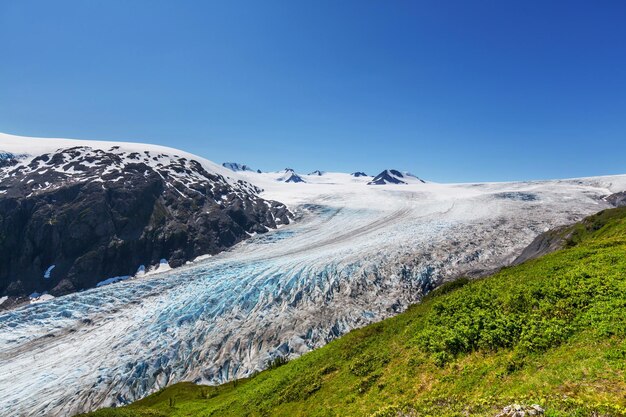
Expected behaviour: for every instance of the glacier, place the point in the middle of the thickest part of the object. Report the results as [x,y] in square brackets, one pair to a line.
[355,255]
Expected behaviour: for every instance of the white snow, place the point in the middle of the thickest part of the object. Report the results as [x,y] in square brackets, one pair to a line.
[112,280]
[32,147]
[162,266]
[3,299]
[46,274]
[36,298]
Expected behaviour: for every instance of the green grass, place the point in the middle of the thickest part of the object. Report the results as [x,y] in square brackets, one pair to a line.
[550,331]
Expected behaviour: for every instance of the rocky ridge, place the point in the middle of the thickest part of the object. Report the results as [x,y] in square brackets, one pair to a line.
[81,215]
[392,176]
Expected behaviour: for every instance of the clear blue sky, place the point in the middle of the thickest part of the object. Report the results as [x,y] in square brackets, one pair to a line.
[450,90]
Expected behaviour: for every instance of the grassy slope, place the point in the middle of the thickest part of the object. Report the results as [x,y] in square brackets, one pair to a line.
[550,331]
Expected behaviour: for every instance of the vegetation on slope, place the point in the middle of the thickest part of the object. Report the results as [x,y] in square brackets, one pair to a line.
[550,331]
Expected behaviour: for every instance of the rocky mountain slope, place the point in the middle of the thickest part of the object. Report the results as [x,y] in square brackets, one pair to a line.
[567,235]
[76,213]
[617,199]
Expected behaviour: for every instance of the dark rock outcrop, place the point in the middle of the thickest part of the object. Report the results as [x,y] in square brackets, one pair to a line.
[359,174]
[290,175]
[388,176]
[544,243]
[617,199]
[294,178]
[566,236]
[73,218]
[392,176]
[8,159]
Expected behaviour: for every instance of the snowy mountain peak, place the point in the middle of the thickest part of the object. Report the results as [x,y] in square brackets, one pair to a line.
[235,166]
[317,172]
[359,174]
[289,175]
[35,171]
[388,176]
[293,178]
[25,149]
[393,176]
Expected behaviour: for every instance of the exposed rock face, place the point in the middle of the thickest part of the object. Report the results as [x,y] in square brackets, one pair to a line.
[294,178]
[388,176]
[289,175]
[392,176]
[316,172]
[544,243]
[617,199]
[8,159]
[562,236]
[72,218]
[359,174]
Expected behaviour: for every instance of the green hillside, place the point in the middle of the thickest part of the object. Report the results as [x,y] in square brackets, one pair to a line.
[550,331]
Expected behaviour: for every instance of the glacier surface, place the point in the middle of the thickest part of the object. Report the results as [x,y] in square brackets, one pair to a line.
[357,254]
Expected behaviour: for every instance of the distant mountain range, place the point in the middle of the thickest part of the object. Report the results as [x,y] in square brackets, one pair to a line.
[386,177]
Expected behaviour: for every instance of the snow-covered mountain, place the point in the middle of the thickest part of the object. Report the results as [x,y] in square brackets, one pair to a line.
[355,254]
[289,176]
[236,167]
[76,213]
[392,176]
